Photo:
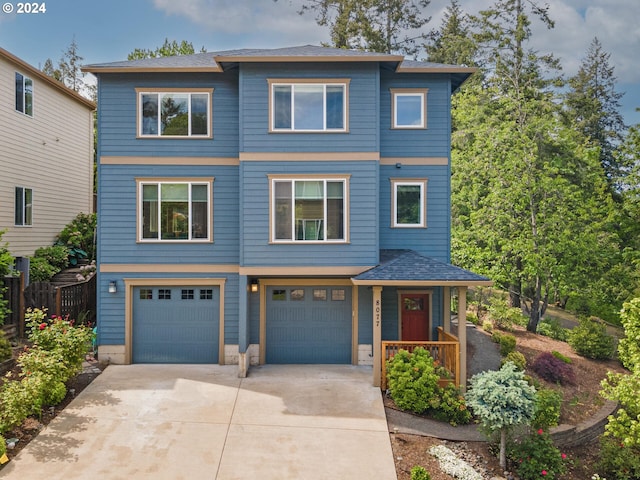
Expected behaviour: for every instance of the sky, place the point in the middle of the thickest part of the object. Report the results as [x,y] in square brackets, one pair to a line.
[108,30]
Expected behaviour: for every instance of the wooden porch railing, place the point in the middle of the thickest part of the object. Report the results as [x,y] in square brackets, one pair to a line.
[446,351]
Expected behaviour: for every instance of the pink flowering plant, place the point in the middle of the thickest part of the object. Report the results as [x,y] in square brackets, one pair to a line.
[536,457]
[57,351]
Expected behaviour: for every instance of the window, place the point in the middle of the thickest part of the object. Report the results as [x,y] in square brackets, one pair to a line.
[180,113]
[297,295]
[309,209]
[279,295]
[174,211]
[146,294]
[338,295]
[309,106]
[319,294]
[408,202]
[164,294]
[408,108]
[24,94]
[187,294]
[24,206]
[206,294]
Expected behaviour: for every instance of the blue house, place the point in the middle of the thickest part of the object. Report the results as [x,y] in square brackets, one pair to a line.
[274,206]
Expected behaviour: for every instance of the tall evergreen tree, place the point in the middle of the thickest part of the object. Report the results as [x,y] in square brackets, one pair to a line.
[452,43]
[592,106]
[527,192]
[385,26]
[168,49]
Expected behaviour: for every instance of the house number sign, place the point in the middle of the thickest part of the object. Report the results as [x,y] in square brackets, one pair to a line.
[377,312]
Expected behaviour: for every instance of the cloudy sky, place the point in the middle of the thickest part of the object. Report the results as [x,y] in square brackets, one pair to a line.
[108,30]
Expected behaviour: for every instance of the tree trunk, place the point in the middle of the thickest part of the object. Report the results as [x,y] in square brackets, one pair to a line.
[503,448]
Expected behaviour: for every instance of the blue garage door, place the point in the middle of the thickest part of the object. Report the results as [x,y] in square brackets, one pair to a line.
[175,324]
[308,324]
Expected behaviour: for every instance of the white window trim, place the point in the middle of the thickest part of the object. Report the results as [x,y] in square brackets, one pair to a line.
[24,208]
[140,182]
[413,92]
[422,183]
[293,178]
[343,82]
[177,91]
[24,96]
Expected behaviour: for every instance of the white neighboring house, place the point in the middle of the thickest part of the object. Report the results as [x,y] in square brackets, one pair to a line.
[46,156]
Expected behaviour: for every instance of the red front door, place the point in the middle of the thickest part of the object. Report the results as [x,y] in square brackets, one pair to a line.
[415,316]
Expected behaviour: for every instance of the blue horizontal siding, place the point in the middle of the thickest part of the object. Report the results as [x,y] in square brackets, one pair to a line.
[365,315]
[432,142]
[117,115]
[432,241]
[117,217]
[363,109]
[363,247]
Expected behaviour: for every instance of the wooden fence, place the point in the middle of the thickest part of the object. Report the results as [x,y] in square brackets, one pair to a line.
[446,351]
[77,300]
[14,321]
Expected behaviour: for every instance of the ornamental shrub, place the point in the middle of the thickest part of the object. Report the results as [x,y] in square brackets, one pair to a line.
[551,328]
[419,473]
[537,457]
[553,369]
[504,316]
[624,424]
[78,235]
[629,347]
[618,460]
[517,358]
[6,352]
[3,446]
[56,256]
[412,379]
[449,405]
[501,400]
[547,411]
[591,340]
[560,356]
[506,341]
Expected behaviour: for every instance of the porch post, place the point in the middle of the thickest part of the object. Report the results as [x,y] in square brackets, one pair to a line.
[377,335]
[462,335]
[446,309]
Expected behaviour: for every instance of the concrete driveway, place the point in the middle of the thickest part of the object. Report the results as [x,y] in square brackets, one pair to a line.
[202,422]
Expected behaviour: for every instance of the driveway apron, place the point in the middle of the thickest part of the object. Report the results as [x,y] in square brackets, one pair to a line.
[202,422]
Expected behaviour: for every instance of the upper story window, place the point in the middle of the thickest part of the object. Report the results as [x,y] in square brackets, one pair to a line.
[23,207]
[408,108]
[309,105]
[174,113]
[409,203]
[24,94]
[174,210]
[309,209]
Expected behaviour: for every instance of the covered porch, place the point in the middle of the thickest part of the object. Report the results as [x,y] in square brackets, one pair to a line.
[424,289]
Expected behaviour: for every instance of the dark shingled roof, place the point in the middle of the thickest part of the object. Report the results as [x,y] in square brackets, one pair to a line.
[410,266]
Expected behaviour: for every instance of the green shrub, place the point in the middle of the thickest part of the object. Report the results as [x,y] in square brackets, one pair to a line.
[40,270]
[547,411]
[487,326]
[516,358]
[412,379]
[78,237]
[551,328]
[71,343]
[560,356]
[504,316]
[449,405]
[3,446]
[617,460]
[591,340]
[419,473]
[472,317]
[55,256]
[507,342]
[537,457]
[6,351]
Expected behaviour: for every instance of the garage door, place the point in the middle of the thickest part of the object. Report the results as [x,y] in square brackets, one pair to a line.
[175,324]
[308,324]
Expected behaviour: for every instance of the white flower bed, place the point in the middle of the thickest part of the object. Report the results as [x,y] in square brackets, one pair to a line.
[451,464]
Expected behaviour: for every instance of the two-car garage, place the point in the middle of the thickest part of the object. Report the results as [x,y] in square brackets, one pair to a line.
[300,323]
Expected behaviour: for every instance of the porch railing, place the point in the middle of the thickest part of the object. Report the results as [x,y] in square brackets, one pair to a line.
[446,351]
